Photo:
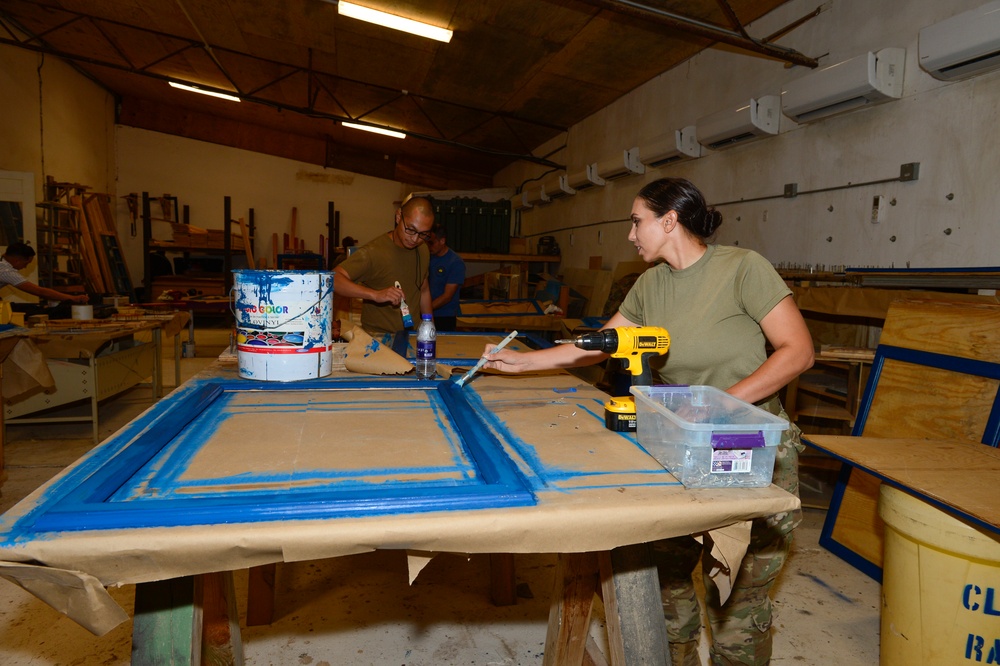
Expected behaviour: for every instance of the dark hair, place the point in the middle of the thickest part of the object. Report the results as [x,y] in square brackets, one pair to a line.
[439,231]
[19,249]
[678,194]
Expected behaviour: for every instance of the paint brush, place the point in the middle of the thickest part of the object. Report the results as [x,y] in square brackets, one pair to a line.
[482,361]
[404,310]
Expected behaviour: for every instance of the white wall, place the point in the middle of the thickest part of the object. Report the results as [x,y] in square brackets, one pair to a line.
[54,122]
[949,128]
[201,175]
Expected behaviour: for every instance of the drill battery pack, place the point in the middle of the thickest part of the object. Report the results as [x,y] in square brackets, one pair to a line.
[619,414]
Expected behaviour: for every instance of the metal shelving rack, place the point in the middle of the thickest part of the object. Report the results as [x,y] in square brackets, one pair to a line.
[60,265]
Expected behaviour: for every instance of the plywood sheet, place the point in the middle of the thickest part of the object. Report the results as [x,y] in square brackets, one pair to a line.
[935,377]
[962,476]
[595,285]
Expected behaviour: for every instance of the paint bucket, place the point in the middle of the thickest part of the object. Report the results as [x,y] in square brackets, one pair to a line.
[283,321]
[82,312]
[940,586]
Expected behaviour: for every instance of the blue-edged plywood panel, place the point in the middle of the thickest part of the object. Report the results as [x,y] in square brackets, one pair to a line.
[230,451]
[953,364]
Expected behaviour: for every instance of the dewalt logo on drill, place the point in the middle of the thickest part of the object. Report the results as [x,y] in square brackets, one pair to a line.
[646,342]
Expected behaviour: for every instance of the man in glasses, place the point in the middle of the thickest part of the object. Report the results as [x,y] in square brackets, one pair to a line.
[372,271]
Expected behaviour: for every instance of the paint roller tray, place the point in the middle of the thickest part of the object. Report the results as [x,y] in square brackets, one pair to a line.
[706,437]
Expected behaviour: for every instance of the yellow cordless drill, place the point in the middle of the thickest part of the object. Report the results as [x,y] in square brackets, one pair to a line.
[633,344]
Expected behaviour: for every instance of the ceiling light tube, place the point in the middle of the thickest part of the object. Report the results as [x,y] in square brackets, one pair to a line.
[377,130]
[392,21]
[190,88]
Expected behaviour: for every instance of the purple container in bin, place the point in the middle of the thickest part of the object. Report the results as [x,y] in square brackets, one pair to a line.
[706,437]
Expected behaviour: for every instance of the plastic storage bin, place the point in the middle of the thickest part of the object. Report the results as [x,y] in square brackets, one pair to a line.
[706,437]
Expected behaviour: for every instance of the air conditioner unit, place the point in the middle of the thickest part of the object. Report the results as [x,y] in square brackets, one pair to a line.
[535,196]
[520,201]
[864,80]
[585,179]
[671,147]
[746,122]
[556,187]
[962,46]
[635,166]
[618,167]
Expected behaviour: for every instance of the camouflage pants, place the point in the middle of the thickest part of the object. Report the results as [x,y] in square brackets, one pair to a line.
[740,627]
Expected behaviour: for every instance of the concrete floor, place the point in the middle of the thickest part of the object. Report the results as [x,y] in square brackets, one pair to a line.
[361,609]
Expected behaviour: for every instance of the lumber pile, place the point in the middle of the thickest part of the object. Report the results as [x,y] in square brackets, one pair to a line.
[188,235]
[104,267]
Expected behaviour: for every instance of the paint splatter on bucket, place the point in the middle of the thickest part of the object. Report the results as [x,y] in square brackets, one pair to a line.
[283,321]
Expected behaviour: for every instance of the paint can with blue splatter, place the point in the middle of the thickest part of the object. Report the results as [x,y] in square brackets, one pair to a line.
[283,324]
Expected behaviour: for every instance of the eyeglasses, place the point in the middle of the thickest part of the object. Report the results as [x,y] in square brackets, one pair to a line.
[422,235]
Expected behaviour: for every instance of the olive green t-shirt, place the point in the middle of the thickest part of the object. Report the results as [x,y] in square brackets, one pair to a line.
[712,311]
[379,264]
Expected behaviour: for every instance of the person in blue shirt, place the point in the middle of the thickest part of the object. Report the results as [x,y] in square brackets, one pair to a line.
[447,274]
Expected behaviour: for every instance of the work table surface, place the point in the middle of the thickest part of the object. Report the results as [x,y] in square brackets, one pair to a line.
[579,487]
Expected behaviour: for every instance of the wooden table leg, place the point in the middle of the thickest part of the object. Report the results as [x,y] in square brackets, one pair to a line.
[503,583]
[637,633]
[260,595]
[221,642]
[186,622]
[572,603]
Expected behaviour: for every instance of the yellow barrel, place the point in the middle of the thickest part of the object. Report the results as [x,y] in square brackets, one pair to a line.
[940,586]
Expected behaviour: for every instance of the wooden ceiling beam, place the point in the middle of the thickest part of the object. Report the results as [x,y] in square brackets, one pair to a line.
[704,29]
[319,150]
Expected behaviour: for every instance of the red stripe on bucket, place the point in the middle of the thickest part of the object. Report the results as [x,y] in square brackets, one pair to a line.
[260,349]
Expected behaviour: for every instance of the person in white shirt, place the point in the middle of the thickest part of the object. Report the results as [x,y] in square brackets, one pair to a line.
[15,258]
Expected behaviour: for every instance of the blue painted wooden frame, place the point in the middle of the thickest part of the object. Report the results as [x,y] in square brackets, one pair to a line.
[83,500]
[958,364]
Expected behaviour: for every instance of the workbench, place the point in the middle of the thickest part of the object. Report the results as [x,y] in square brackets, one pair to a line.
[522,315]
[93,361]
[522,261]
[226,474]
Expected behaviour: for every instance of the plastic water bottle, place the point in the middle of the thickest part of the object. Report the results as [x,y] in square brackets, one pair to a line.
[426,348]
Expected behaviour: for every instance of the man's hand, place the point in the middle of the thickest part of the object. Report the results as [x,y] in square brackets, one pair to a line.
[81,298]
[392,295]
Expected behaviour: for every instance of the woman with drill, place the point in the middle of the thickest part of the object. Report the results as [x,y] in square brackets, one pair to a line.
[721,305]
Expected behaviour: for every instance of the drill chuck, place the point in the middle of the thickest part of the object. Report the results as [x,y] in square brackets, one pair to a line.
[603,341]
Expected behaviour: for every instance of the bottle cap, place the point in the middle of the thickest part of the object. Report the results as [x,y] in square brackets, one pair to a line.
[425,317]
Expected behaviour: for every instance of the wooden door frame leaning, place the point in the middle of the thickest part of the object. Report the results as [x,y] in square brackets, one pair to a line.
[933,377]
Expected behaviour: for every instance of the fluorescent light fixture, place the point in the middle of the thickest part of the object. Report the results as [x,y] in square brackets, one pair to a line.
[392,21]
[376,130]
[189,88]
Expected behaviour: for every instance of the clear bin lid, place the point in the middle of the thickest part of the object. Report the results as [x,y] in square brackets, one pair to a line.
[706,408]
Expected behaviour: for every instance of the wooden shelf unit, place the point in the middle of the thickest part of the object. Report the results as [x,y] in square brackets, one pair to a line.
[522,261]
[208,285]
[59,261]
[832,389]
